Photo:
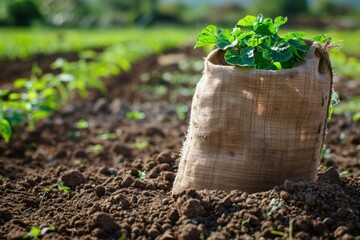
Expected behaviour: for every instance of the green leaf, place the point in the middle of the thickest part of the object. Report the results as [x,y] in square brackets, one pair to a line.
[14,96]
[265,29]
[40,114]
[5,129]
[135,115]
[288,64]
[299,44]
[141,144]
[47,229]
[19,83]
[260,61]
[247,22]
[277,233]
[294,35]
[254,40]
[259,18]
[245,58]
[356,117]
[82,124]
[207,36]
[280,20]
[224,39]
[322,38]
[280,52]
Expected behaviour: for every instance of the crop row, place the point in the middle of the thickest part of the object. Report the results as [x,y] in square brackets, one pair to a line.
[40,95]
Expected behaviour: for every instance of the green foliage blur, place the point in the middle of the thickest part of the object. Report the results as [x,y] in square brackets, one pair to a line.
[110,13]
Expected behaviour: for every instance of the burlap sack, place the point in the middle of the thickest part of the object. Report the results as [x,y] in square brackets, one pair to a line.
[252,129]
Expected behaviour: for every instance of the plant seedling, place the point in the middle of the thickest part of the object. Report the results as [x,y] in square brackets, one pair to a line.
[356,117]
[274,205]
[82,124]
[60,186]
[254,42]
[141,175]
[106,136]
[277,233]
[96,148]
[141,144]
[344,173]
[135,115]
[36,232]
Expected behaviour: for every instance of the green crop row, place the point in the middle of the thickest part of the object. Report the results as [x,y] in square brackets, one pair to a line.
[23,43]
[39,96]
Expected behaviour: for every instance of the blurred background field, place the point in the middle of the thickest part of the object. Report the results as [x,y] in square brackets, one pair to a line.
[32,27]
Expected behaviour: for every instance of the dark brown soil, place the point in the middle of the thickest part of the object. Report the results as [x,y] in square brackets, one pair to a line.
[108,199]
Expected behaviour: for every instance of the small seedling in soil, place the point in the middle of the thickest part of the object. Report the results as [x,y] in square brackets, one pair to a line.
[356,117]
[60,186]
[106,136]
[181,111]
[74,134]
[291,229]
[324,168]
[325,152]
[334,101]
[35,232]
[141,144]
[82,124]
[141,175]
[135,115]
[63,188]
[122,237]
[274,205]
[246,221]
[96,148]
[344,173]
[277,233]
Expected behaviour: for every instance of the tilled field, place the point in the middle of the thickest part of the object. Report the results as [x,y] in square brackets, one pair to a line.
[120,171]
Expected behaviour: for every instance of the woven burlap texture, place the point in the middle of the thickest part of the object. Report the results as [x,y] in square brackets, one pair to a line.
[252,129]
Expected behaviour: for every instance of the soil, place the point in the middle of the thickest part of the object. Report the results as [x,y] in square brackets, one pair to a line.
[110,199]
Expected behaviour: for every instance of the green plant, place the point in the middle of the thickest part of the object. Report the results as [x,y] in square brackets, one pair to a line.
[96,148]
[36,232]
[344,173]
[356,117]
[274,205]
[141,144]
[60,186]
[82,124]
[333,102]
[135,115]
[277,233]
[106,136]
[141,175]
[255,42]
[29,101]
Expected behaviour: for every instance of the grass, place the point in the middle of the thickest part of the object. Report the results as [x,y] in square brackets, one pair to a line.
[21,43]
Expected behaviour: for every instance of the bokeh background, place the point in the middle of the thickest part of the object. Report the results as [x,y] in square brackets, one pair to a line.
[118,13]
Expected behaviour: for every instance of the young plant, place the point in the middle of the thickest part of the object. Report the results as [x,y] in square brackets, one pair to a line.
[82,124]
[141,144]
[36,232]
[141,175]
[254,42]
[135,115]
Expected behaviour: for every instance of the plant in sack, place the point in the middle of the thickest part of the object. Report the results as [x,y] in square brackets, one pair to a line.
[259,113]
